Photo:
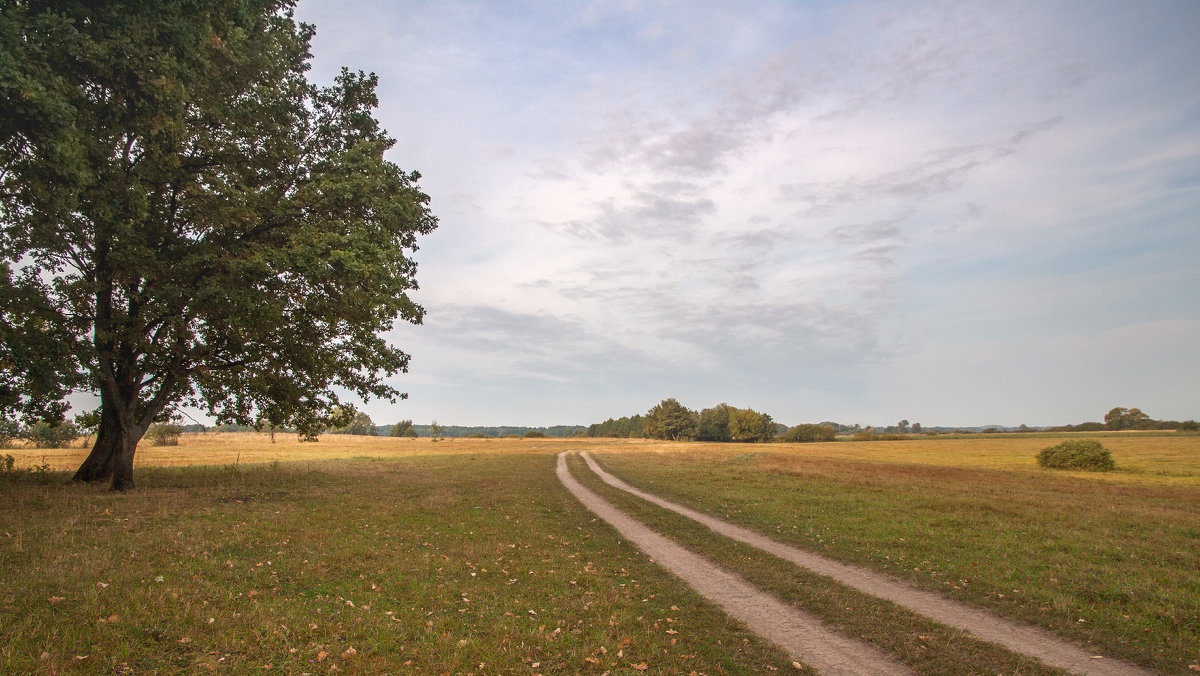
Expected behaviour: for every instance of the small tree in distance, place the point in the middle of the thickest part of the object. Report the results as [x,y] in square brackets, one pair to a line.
[404,428]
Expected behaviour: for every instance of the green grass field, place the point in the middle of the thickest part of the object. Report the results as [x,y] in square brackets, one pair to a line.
[361,555]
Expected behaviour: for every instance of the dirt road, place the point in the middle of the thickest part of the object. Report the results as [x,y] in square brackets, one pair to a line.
[816,652]
[800,634]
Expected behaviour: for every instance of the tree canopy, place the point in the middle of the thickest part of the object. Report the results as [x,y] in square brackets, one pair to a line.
[1121,418]
[191,222]
[669,419]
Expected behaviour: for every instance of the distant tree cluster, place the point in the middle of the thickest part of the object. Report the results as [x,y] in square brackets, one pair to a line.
[621,428]
[360,424]
[498,432]
[1121,418]
[670,420]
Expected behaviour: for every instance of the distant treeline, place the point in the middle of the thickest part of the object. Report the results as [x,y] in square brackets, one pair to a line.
[1121,418]
[459,431]
[444,431]
[671,420]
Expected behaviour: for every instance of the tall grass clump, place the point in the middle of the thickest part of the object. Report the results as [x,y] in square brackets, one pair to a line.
[1082,454]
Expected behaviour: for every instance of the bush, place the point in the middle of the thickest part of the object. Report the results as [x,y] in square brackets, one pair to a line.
[535,434]
[164,434]
[1083,454]
[808,433]
[43,434]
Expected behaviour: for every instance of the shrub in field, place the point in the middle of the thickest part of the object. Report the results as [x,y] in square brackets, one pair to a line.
[164,434]
[808,433]
[1085,454]
[43,434]
[535,434]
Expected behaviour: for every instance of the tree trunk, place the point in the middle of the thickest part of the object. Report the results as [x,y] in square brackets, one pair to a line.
[122,478]
[99,463]
[112,455]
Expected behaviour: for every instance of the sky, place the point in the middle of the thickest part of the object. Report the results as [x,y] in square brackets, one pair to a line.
[954,213]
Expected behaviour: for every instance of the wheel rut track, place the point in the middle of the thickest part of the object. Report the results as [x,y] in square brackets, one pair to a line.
[802,635]
[813,646]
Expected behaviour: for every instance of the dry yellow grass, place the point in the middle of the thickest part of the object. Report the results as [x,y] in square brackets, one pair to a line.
[1140,458]
[1173,460]
[249,448]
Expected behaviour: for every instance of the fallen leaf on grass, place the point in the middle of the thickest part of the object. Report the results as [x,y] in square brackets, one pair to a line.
[641,666]
[56,599]
[350,652]
[322,655]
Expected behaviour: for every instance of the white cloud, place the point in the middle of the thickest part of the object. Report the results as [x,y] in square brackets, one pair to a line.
[812,207]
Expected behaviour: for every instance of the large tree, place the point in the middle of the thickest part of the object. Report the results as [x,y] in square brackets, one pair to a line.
[746,424]
[669,419]
[210,228]
[1121,418]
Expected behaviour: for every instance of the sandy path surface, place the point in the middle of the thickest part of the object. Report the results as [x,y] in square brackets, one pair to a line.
[802,635]
[1020,638]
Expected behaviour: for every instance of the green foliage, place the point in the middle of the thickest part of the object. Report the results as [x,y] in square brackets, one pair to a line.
[164,434]
[1079,454]
[9,430]
[88,422]
[535,434]
[808,433]
[43,434]
[38,365]
[714,423]
[201,224]
[669,419]
[746,424]
[623,428]
[361,424]
[404,428]
[1127,419]
[435,430]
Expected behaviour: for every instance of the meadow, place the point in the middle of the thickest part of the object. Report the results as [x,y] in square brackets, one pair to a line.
[378,555]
